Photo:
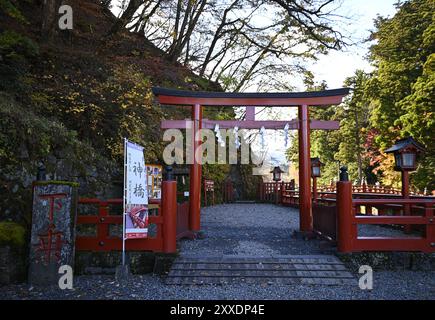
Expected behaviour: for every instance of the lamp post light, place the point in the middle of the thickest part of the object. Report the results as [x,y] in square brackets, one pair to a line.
[277,174]
[405,156]
[277,178]
[315,173]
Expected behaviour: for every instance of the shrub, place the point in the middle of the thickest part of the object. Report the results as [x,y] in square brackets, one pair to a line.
[12,234]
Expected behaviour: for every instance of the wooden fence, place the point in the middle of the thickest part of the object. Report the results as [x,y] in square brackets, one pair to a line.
[414,216]
[99,223]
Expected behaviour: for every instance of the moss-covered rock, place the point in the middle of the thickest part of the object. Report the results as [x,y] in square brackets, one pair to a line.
[12,234]
[13,253]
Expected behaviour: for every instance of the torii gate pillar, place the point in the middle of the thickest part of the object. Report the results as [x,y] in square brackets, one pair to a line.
[305,205]
[195,173]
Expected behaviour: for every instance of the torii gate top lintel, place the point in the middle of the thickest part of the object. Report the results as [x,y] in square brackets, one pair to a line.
[278,99]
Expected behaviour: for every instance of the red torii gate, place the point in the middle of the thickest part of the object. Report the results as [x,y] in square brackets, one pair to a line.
[251,100]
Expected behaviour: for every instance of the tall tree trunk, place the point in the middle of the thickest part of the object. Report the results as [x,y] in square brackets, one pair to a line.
[50,9]
[188,25]
[126,16]
[358,145]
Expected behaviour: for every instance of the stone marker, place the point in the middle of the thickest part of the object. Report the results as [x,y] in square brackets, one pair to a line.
[52,240]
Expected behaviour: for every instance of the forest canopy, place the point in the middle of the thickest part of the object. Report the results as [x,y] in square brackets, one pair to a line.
[394,101]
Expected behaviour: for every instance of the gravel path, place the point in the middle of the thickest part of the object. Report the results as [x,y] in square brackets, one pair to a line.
[249,230]
[240,229]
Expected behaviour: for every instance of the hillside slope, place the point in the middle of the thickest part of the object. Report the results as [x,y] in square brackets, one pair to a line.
[67,103]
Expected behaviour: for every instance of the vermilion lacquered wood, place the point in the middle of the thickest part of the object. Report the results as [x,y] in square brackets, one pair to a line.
[169,210]
[346,228]
[195,173]
[392,201]
[250,114]
[258,102]
[315,195]
[305,204]
[104,242]
[398,220]
[267,124]
[391,244]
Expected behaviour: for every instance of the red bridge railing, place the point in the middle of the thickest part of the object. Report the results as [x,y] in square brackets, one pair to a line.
[106,217]
[421,213]
[337,212]
[228,192]
[366,188]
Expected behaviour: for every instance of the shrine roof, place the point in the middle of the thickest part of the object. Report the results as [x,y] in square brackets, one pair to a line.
[312,98]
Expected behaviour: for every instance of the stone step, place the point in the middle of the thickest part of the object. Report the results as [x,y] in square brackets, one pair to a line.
[312,270]
[260,281]
[257,266]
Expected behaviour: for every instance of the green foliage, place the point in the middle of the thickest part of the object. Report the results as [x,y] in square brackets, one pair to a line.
[419,122]
[15,53]
[12,234]
[396,101]
[401,90]
[400,55]
[26,139]
[8,7]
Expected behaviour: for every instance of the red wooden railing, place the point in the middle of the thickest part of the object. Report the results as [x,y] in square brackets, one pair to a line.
[415,215]
[348,221]
[267,190]
[365,188]
[325,218]
[273,191]
[103,241]
[228,194]
[183,230]
[162,215]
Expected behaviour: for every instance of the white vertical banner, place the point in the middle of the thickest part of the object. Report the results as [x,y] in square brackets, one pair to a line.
[135,193]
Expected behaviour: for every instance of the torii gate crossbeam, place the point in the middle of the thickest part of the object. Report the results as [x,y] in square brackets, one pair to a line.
[250,100]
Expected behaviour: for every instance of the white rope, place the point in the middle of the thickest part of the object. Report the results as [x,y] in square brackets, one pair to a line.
[236,137]
[286,129]
[219,136]
[262,138]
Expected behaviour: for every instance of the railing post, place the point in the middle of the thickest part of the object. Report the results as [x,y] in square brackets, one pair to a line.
[276,193]
[261,192]
[430,227]
[281,193]
[345,229]
[169,212]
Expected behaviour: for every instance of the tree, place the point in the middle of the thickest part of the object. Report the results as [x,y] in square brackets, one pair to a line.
[401,90]
[226,41]
[49,17]
[126,17]
[354,121]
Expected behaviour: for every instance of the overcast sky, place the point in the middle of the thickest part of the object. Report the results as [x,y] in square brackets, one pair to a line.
[337,66]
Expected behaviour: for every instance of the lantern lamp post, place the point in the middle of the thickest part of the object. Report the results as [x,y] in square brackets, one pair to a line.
[405,156]
[315,173]
[277,174]
[277,178]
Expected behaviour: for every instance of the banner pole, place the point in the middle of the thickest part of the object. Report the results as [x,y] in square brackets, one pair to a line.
[123,202]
